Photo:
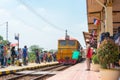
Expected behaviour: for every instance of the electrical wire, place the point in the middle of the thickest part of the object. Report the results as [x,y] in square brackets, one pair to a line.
[38,15]
[41,17]
[44,19]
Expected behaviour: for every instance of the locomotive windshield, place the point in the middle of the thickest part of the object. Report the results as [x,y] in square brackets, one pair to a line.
[71,43]
[63,42]
[67,42]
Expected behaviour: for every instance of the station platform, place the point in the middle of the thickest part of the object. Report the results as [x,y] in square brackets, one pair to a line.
[30,66]
[76,72]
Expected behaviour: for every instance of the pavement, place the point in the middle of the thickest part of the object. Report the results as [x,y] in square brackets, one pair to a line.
[76,72]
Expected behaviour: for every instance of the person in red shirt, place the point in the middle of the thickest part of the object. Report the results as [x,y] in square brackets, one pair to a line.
[89,52]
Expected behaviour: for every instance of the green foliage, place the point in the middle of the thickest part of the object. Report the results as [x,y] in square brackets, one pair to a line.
[34,47]
[108,53]
[2,41]
[31,54]
[31,57]
[1,38]
[95,59]
[52,50]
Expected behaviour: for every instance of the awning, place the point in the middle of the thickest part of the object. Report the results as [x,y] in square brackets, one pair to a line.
[95,10]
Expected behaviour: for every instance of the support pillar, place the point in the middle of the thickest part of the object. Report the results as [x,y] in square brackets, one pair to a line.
[109,18]
[102,24]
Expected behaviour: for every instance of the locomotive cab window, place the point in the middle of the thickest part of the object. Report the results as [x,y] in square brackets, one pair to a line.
[71,43]
[62,42]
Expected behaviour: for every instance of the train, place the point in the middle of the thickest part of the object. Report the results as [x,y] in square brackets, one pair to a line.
[68,50]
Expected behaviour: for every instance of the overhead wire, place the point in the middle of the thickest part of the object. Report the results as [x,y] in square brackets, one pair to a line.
[21,20]
[38,15]
[44,19]
[25,23]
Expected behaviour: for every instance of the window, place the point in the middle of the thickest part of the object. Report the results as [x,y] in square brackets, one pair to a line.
[71,43]
[62,42]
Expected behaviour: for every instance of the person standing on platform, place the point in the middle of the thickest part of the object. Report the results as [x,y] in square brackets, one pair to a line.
[25,55]
[54,56]
[20,56]
[37,54]
[2,56]
[41,57]
[117,41]
[8,57]
[117,35]
[89,51]
[13,55]
[5,54]
[48,56]
[45,57]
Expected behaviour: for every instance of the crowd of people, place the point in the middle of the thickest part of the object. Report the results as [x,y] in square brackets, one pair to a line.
[44,56]
[11,56]
[104,35]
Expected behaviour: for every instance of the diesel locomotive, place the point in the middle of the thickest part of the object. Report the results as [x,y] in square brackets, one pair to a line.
[68,50]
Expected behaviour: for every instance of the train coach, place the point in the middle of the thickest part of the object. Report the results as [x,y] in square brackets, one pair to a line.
[68,50]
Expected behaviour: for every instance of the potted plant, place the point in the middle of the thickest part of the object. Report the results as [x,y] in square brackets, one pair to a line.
[95,59]
[107,55]
[95,63]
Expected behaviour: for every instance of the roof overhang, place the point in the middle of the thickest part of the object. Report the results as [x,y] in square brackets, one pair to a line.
[95,10]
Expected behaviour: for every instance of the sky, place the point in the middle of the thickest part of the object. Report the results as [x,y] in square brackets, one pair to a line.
[43,22]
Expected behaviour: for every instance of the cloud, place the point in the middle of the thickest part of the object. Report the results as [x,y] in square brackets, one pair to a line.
[5,1]
[4,14]
[22,7]
[32,29]
[48,29]
[43,10]
[30,35]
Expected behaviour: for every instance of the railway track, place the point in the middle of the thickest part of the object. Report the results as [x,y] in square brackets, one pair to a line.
[37,74]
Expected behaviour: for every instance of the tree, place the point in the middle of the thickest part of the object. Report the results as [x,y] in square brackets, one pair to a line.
[34,47]
[52,50]
[1,38]
[32,51]
[4,42]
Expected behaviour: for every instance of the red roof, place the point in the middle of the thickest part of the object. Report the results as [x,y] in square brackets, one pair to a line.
[70,38]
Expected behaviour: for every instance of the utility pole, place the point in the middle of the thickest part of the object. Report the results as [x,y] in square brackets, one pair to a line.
[18,40]
[7,31]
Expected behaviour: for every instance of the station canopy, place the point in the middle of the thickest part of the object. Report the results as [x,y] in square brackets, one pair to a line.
[95,10]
